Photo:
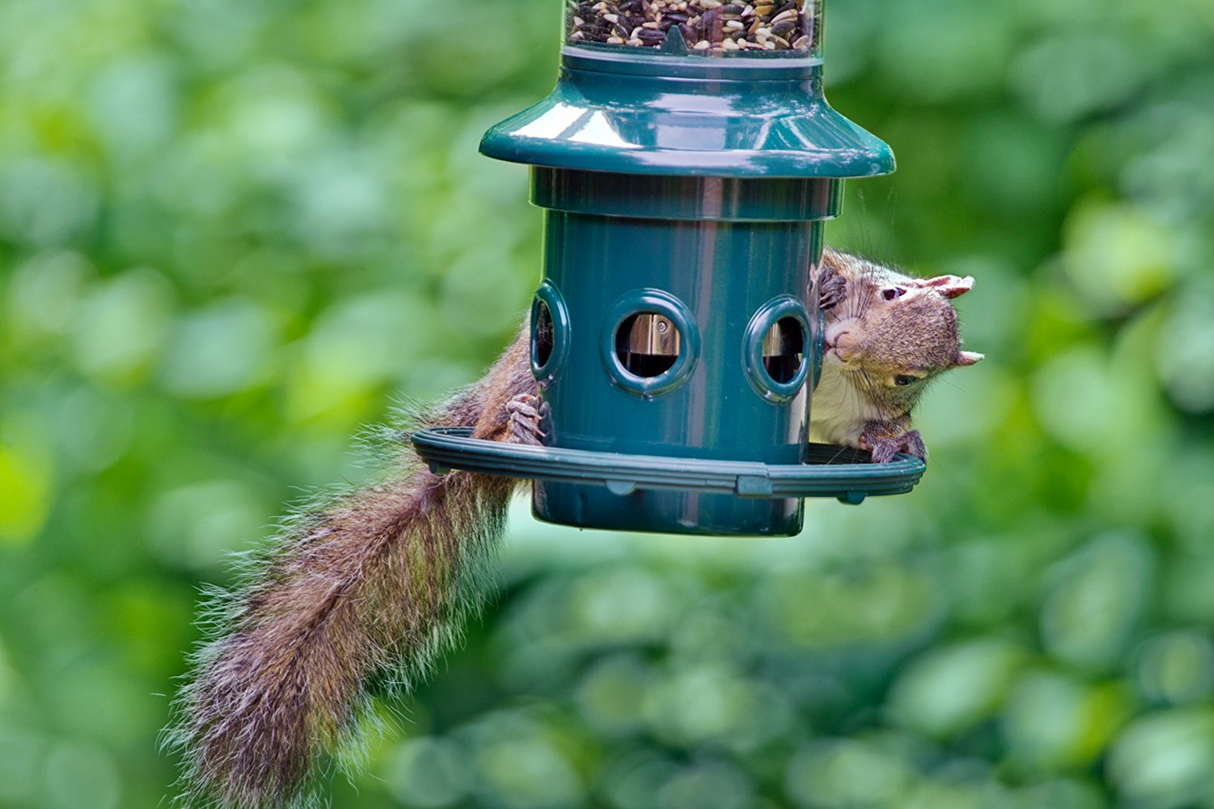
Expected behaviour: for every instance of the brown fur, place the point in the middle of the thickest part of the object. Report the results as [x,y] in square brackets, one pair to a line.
[372,588]
[873,342]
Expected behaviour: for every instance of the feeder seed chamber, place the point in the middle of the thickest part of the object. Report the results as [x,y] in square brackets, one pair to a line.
[686,162]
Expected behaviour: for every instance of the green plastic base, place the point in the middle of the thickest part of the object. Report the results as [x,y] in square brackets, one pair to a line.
[605,489]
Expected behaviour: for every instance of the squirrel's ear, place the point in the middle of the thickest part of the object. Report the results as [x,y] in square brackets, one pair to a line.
[950,286]
[967,358]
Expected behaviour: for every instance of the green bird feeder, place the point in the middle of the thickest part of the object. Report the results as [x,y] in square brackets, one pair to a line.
[686,163]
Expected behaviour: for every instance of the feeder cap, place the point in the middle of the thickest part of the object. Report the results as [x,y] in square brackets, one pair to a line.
[650,113]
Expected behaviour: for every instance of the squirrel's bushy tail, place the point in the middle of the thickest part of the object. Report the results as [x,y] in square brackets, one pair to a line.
[369,590]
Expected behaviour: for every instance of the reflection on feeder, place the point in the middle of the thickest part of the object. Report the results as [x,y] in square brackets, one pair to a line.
[544,337]
[784,350]
[648,344]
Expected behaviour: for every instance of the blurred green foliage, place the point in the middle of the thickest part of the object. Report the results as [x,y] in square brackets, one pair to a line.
[231,231]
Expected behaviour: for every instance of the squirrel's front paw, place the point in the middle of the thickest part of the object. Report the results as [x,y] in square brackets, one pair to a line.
[526,419]
[884,446]
[833,291]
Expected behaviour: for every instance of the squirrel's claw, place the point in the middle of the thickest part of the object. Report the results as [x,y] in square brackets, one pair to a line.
[833,291]
[884,446]
[526,414]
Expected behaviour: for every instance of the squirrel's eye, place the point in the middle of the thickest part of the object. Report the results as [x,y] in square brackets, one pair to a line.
[890,293]
[903,380]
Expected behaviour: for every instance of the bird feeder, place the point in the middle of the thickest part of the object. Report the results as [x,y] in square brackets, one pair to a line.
[686,163]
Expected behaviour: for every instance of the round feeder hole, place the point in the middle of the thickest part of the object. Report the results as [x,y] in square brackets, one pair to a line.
[775,351]
[549,332]
[650,343]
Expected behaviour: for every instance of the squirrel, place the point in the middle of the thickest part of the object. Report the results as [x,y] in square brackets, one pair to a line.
[367,592]
[887,336]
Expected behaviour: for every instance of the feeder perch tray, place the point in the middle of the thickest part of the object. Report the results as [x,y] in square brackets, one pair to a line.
[829,471]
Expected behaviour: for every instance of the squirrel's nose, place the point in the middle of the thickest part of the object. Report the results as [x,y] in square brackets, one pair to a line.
[842,343]
[841,340]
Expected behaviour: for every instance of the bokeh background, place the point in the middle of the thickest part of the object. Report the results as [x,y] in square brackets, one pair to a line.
[234,232]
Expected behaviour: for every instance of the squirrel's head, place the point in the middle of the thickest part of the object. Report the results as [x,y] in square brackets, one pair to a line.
[894,333]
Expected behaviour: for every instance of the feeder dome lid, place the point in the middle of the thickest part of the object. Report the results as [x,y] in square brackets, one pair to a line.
[695,96]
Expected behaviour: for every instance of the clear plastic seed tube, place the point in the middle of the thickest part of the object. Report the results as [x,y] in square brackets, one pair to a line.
[788,28]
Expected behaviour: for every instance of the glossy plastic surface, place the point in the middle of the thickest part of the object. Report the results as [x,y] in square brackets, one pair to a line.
[548,297]
[647,300]
[634,481]
[709,274]
[724,199]
[768,315]
[639,112]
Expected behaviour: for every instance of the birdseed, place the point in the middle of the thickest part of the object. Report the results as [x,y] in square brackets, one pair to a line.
[705,26]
